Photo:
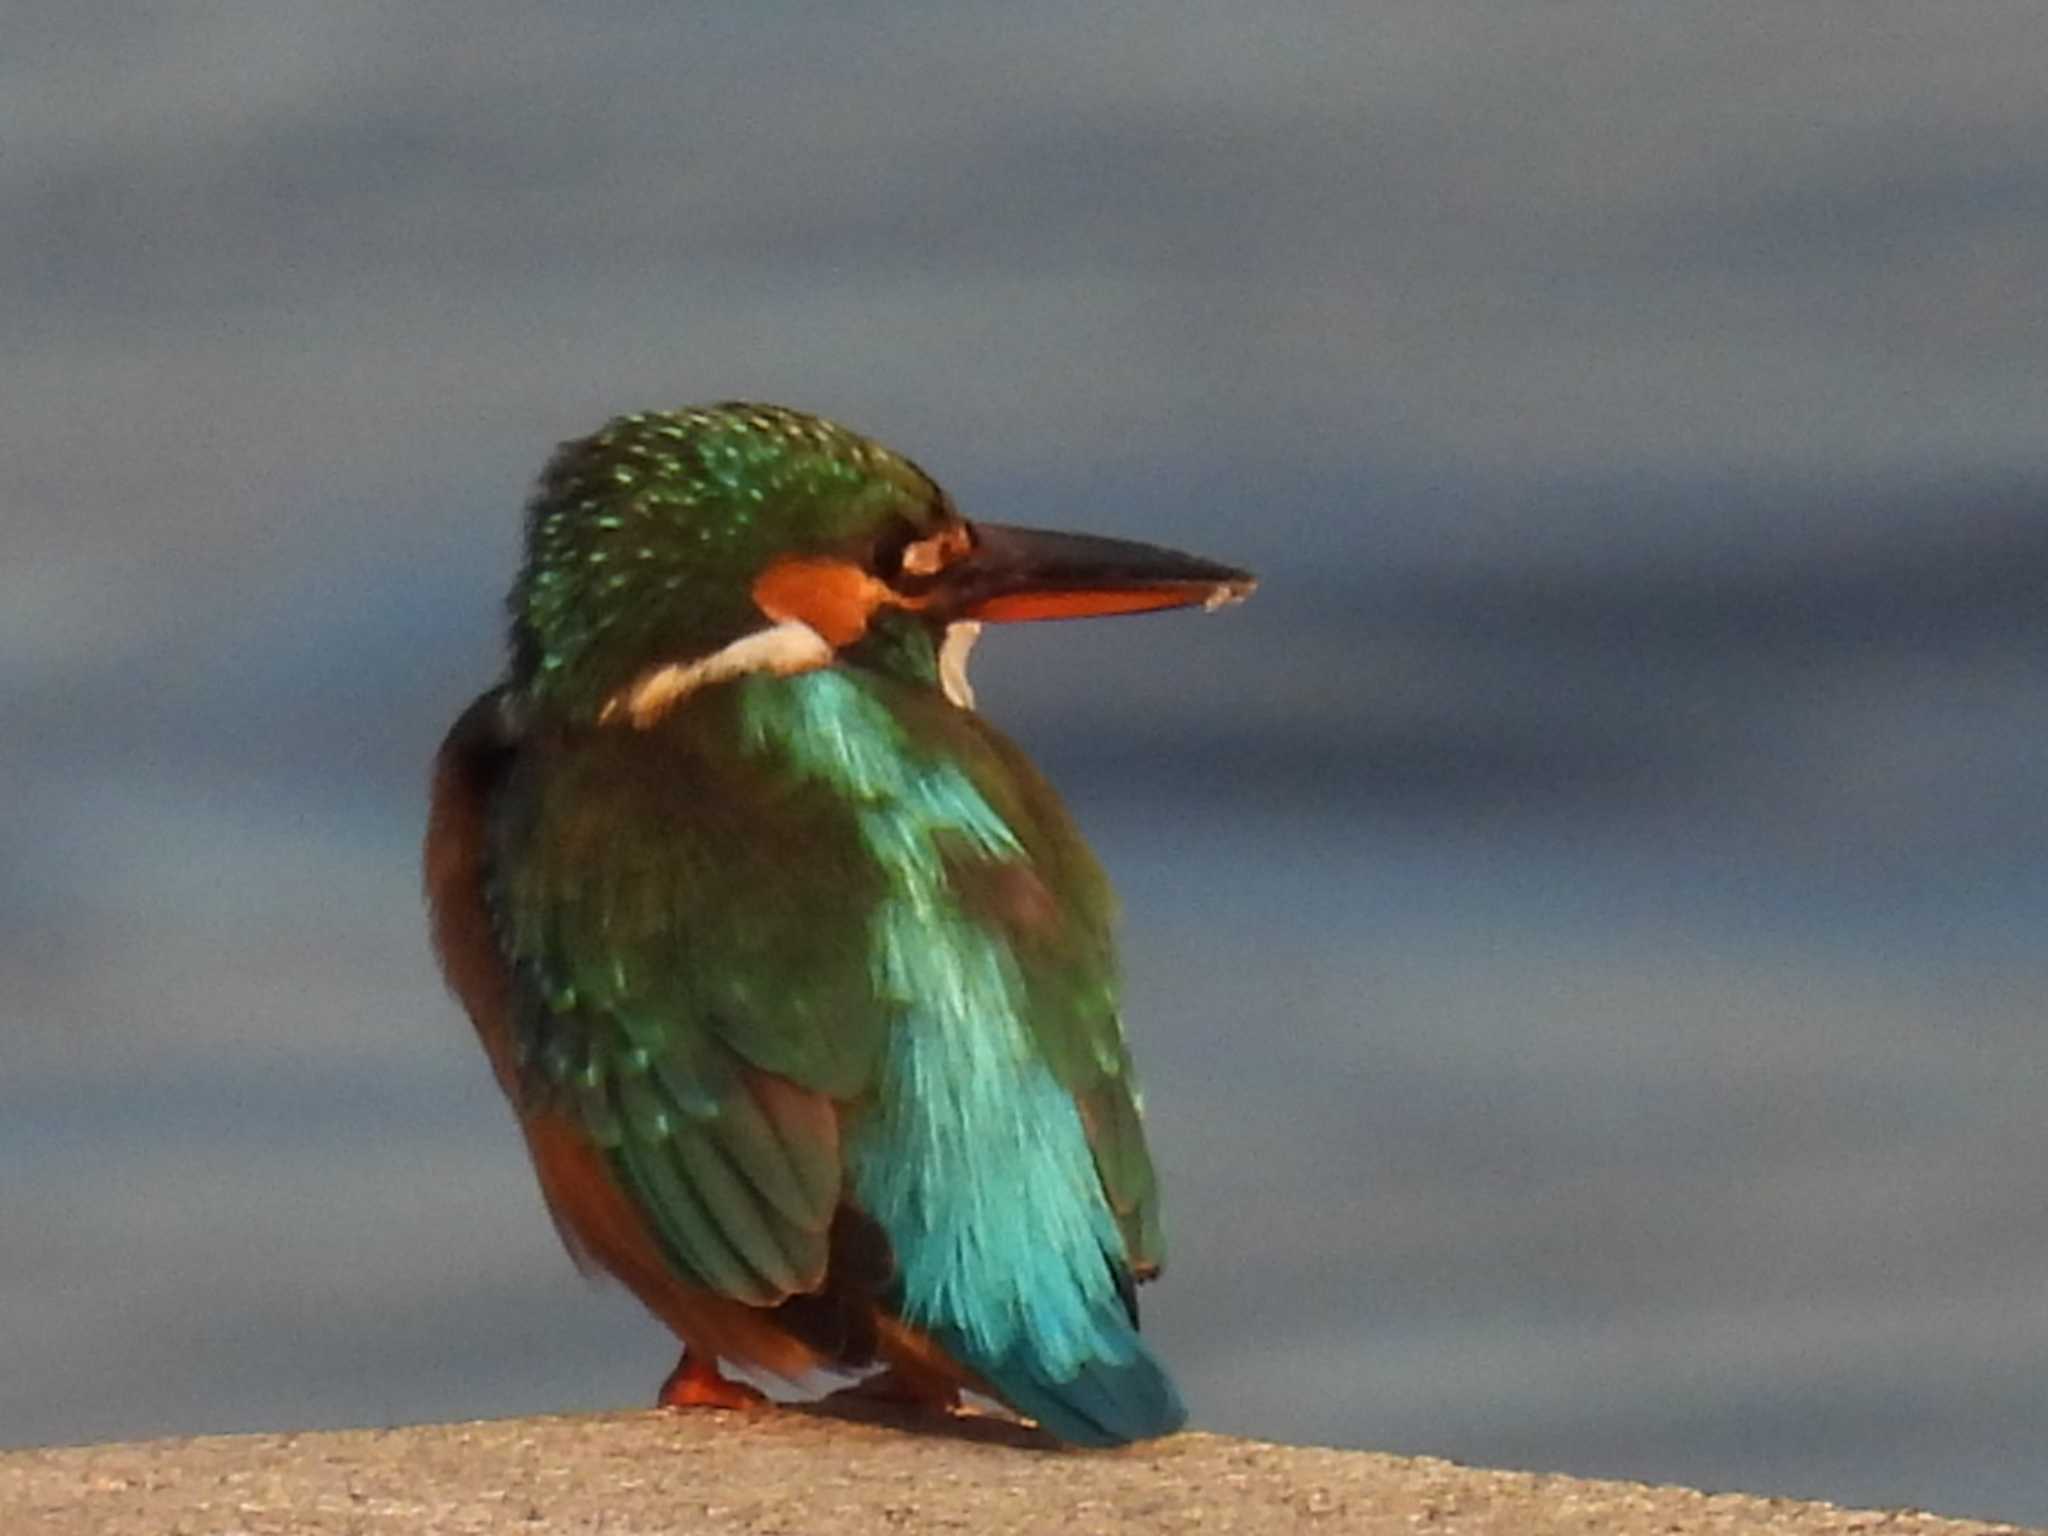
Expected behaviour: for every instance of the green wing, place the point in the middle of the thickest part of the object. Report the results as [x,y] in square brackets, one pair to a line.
[688,939]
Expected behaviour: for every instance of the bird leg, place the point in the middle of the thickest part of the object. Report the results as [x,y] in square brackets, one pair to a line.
[696,1382]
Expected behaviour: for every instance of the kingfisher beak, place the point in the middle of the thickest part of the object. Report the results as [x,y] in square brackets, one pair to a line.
[1017,574]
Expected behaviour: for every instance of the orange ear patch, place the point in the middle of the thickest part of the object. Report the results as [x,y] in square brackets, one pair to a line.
[834,597]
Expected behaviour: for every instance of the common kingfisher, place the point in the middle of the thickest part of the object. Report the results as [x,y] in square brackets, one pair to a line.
[796,972]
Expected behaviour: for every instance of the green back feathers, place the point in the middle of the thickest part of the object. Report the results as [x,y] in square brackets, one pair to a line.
[776,878]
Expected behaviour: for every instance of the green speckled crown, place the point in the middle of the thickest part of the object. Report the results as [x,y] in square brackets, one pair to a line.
[643,540]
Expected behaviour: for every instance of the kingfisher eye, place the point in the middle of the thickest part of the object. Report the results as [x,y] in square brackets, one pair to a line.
[924,557]
[904,553]
[887,559]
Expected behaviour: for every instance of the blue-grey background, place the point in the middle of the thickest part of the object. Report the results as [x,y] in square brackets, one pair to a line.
[1584,914]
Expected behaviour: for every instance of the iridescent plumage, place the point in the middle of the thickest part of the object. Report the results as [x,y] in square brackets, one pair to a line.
[796,972]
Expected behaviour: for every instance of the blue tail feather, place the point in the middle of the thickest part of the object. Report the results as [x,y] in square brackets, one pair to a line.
[1107,1402]
[974,1159]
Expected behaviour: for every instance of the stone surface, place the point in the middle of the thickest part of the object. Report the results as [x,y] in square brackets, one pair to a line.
[816,1475]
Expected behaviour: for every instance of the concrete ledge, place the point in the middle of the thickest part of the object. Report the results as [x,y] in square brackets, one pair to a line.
[812,1475]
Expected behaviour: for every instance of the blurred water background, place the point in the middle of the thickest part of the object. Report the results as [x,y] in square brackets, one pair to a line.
[1584,915]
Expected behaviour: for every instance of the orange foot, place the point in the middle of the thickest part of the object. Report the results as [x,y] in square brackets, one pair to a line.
[697,1383]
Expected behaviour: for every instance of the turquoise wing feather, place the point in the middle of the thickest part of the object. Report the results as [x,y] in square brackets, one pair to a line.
[1054,910]
[977,1157]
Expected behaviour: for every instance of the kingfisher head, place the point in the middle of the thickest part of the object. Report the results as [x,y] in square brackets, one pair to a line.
[670,550]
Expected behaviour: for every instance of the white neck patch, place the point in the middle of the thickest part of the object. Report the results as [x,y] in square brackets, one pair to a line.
[953,651]
[786,648]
